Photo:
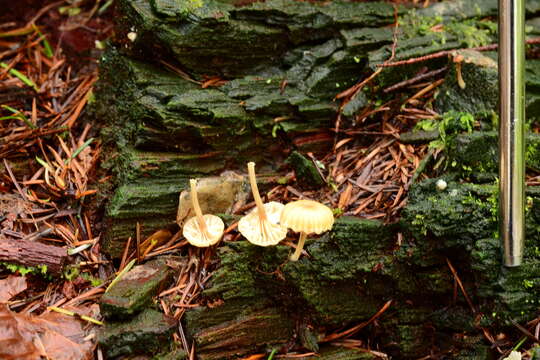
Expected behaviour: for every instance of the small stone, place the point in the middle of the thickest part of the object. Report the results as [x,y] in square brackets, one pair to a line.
[217,195]
[134,291]
[147,333]
[306,172]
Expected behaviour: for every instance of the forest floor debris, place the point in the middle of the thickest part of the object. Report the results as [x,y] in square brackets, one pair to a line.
[50,160]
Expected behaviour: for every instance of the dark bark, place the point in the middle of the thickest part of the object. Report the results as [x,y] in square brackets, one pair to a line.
[31,253]
[166,129]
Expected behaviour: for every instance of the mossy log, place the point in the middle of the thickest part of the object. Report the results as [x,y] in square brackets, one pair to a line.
[353,271]
[283,63]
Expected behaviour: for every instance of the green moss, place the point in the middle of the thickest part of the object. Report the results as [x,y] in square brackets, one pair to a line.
[305,170]
[476,68]
[457,215]
[461,223]
[94,282]
[341,353]
[174,354]
[332,77]
[175,7]
[167,165]
[135,290]
[146,333]
[250,273]
[362,40]
[470,32]
[148,199]
[479,151]
[413,24]
[23,270]
[461,10]
[446,126]
[234,279]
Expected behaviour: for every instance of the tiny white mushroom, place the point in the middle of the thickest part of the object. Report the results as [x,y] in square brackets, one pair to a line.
[261,226]
[514,355]
[132,35]
[202,230]
[441,184]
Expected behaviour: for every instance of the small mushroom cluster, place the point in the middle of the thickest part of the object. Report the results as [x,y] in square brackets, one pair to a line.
[265,225]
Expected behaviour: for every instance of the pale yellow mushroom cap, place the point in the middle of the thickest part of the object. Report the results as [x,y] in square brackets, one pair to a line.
[307,216]
[196,237]
[263,232]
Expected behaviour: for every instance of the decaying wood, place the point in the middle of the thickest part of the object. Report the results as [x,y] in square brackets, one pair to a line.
[31,253]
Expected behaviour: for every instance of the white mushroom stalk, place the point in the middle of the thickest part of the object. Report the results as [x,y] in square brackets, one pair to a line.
[197,208]
[255,191]
[261,226]
[298,251]
[202,230]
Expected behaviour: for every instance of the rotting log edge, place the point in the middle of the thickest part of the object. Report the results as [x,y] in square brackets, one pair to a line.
[31,253]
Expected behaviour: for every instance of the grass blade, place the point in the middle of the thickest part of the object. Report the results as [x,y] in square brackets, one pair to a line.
[20,76]
[47,49]
[43,163]
[73,313]
[18,115]
[120,274]
[9,117]
[17,32]
[79,150]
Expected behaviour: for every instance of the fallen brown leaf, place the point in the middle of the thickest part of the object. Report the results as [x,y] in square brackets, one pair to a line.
[11,286]
[53,336]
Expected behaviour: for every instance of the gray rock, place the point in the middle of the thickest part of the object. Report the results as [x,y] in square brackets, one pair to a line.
[217,195]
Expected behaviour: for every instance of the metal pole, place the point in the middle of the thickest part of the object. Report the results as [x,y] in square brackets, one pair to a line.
[511,129]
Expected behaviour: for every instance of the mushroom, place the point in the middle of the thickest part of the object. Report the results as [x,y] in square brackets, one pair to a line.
[202,230]
[261,226]
[306,217]
[441,185]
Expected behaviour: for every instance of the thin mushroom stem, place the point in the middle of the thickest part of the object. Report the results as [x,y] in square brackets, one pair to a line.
[255,190]
[197,207]
[299,247]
